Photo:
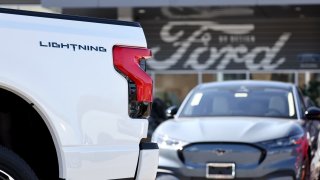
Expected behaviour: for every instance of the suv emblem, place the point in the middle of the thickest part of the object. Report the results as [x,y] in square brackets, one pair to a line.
[220,152]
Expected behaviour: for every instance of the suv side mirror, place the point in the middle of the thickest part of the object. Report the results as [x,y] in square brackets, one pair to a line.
[313,113]
[171,111]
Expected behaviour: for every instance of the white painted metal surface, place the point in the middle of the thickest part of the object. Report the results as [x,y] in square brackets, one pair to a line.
[148,164]
[80,95]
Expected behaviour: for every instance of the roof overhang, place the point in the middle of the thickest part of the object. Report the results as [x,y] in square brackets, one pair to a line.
[170,3]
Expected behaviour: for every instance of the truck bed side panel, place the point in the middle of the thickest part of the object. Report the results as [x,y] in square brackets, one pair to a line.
[84,99]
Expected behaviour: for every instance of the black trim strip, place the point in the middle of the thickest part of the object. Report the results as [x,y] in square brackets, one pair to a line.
[69,17]
[148,146]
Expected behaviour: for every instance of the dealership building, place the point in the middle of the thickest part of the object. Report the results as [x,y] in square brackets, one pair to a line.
[208,40]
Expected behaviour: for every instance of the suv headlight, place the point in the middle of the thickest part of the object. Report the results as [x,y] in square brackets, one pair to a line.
[283,142]
[164,141]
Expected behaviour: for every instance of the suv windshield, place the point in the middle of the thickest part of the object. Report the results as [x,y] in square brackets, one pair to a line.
[240,101]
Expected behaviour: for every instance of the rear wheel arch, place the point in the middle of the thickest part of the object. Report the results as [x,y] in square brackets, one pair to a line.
[39,110]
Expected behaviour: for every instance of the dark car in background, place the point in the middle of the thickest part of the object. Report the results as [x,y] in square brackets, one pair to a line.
[237,130]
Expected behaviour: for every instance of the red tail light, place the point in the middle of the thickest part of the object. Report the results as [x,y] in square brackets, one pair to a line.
[127,61]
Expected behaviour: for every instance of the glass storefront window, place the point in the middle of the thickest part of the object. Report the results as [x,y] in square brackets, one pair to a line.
[209,78]
[260,76]
[302,80]
[239,76]
[284,77]
[172,88]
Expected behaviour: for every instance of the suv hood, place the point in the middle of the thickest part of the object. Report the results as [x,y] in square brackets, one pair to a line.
[229,129]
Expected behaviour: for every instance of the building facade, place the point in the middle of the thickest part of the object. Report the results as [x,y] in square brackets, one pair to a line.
[195,45]
[204,41]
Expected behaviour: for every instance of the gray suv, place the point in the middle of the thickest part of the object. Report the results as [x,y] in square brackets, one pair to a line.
[237,130]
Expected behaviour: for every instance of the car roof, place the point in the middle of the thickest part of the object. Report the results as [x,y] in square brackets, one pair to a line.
[269,84]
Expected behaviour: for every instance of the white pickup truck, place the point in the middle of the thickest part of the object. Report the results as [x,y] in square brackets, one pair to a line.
[73,99]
